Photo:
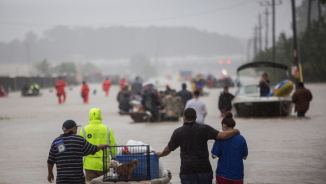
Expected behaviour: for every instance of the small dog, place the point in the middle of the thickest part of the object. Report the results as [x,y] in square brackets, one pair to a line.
[114,164]
[125,170]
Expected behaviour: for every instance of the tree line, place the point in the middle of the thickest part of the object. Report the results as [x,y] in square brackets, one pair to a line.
[46,69]
[311,45]
[64,43]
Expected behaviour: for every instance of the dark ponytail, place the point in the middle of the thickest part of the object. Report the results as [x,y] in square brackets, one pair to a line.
[228,120]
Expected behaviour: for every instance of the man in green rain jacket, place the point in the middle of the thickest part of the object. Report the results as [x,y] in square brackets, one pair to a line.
[96,133]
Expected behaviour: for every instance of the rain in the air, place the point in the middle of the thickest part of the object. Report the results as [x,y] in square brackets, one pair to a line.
[162,91]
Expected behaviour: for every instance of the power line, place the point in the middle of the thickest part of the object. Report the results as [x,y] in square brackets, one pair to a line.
[259,33]
[266,22]
[273,22]
[136,21]
[255,45]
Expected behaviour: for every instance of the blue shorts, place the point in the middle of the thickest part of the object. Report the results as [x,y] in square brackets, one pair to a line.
[200,178]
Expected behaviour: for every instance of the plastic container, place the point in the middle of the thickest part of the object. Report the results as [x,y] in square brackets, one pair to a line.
[141,168]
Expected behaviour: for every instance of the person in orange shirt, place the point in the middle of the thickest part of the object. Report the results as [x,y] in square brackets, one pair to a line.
[2,91]
[59,86]
[123,83]
[106,86]
[84,92]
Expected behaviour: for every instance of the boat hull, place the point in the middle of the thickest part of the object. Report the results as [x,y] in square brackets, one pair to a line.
[263,108]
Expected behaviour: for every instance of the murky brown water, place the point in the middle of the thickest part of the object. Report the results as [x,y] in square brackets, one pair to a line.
[281,150]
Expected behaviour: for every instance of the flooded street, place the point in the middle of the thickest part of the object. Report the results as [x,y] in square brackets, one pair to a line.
[281,150]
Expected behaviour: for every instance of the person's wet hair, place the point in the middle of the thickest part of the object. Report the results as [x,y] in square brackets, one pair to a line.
[184,86]
[196,93]
[301,84]
[228,120]
[190,114]
[265,74]
[226,87]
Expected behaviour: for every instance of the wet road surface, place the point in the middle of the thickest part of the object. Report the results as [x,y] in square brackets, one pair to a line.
[281,150]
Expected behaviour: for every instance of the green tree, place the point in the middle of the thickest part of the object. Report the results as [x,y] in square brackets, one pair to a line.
[44,68]
[323,2]
[66,68]
[317,10]
[87,68]
[311,51]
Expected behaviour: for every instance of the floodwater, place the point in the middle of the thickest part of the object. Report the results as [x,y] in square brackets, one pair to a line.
[281,150]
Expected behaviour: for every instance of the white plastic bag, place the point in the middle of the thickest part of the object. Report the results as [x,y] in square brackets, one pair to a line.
[160,170]
[141,149]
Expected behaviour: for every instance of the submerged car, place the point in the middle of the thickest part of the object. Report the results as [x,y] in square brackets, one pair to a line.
[224,82]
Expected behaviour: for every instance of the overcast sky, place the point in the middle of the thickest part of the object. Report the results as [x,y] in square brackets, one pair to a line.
[233,17]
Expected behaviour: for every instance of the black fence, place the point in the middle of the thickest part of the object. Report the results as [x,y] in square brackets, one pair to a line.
[17,83]
[133,163]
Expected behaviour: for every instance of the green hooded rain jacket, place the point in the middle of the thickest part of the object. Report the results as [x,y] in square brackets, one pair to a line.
[96,133]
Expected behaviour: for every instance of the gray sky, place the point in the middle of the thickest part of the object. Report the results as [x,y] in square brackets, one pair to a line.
[233,17]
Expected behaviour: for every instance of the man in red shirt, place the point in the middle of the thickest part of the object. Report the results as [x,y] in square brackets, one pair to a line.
[59,86]
[84,92]
[123,83]
[2,91]
[106,86]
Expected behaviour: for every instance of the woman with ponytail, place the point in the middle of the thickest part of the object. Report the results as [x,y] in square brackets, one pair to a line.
[230,153]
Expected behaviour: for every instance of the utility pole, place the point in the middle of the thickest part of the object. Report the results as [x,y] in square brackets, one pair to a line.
[255,40]
[157,50]
[319,10]
[298,73]
[266,34]
[309,14]
[259,32]
[248,50]
[273,23]
[28,58]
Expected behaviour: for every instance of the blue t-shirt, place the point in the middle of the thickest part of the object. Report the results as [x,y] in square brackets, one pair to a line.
[230,153]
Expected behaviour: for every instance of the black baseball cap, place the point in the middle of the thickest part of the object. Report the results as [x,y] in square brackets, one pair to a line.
[69,124]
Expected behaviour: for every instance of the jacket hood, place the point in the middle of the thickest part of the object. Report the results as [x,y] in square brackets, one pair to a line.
[95,114]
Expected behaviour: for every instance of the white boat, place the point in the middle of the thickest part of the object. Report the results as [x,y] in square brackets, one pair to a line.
[248,103]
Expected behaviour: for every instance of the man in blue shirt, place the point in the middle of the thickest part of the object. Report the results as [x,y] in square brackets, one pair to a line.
[264,85]
[192,139]
[231,153]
